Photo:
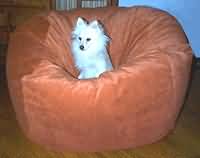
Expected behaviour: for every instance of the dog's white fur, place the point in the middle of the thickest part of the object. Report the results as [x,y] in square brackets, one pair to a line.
[89,49]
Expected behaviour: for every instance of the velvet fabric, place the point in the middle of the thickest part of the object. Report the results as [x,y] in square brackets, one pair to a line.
[135,104]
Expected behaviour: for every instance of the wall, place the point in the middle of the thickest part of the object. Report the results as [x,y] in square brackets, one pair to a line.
[186,11]
[31,7]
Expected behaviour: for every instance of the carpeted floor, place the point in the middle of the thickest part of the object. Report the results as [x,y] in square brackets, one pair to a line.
[184,142]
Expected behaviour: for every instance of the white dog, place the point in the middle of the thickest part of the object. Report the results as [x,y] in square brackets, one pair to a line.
[89,49]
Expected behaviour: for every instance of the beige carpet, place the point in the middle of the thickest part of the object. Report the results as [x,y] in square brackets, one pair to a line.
[184,142]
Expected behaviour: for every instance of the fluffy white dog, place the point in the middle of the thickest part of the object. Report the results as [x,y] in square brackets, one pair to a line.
[89,49]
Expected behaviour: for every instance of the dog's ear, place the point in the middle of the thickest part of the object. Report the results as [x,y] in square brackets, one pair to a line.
[80,22]
[94,24]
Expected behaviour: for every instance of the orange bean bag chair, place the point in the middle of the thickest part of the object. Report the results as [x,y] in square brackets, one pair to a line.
[135,104]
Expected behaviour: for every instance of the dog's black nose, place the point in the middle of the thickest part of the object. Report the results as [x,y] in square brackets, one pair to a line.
[81,47]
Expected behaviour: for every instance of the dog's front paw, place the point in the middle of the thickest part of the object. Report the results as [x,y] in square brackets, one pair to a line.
[88,75]
[80,76]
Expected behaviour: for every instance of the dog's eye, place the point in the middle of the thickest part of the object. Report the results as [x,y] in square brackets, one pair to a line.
[88,39]
[80,38]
